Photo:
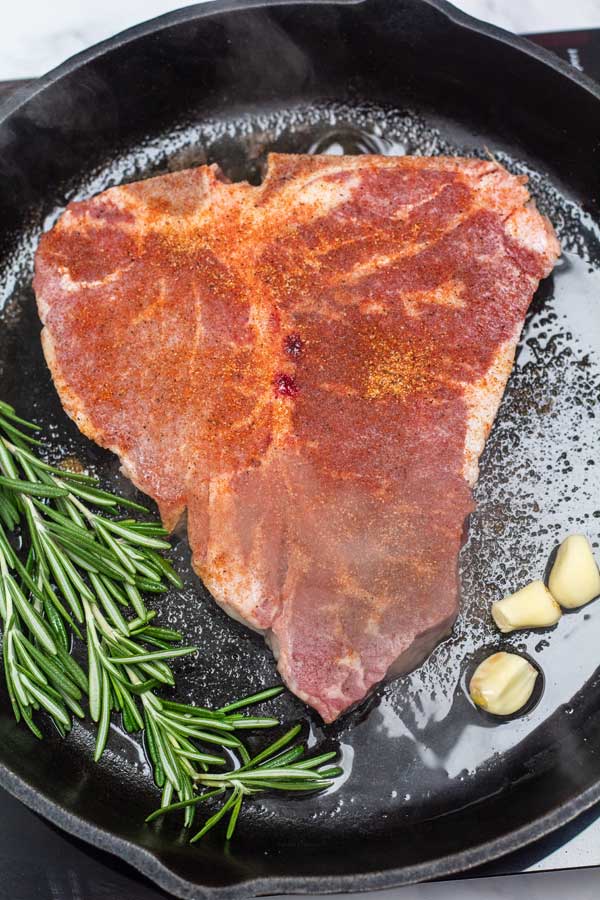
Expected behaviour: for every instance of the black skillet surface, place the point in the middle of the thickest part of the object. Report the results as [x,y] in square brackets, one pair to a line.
[432,786]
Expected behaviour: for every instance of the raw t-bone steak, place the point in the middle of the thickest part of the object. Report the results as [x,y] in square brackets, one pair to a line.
[310,368]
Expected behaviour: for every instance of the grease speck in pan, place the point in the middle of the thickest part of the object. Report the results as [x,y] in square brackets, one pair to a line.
[417,747]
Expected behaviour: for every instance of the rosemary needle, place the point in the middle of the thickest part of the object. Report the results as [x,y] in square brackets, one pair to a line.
[65,559]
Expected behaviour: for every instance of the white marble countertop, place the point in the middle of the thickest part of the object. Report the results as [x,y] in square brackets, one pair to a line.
[36,35]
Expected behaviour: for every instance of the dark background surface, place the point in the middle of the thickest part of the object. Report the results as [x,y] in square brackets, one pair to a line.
[37,862]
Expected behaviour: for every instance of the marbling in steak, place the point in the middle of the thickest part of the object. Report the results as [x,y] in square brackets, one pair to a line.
[310,368]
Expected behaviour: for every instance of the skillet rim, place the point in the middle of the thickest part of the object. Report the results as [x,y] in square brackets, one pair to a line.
[145,861]
[208,7]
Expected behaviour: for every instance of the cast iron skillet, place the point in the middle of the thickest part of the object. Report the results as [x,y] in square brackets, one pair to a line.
[432,787]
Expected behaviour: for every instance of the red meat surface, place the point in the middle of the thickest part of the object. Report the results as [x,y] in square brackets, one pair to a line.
[310,368]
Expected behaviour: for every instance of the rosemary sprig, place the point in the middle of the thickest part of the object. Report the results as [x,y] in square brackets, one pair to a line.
[274,768]
[82,574]
[68,569]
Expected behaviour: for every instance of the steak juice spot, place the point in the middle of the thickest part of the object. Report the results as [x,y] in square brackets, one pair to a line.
[294,345]
[285,385]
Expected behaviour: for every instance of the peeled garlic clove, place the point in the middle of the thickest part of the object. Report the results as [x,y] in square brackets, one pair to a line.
[574,579]
[503,683]
[531,607]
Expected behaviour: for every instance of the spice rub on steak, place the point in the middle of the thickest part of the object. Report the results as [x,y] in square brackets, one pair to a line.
[310,368]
